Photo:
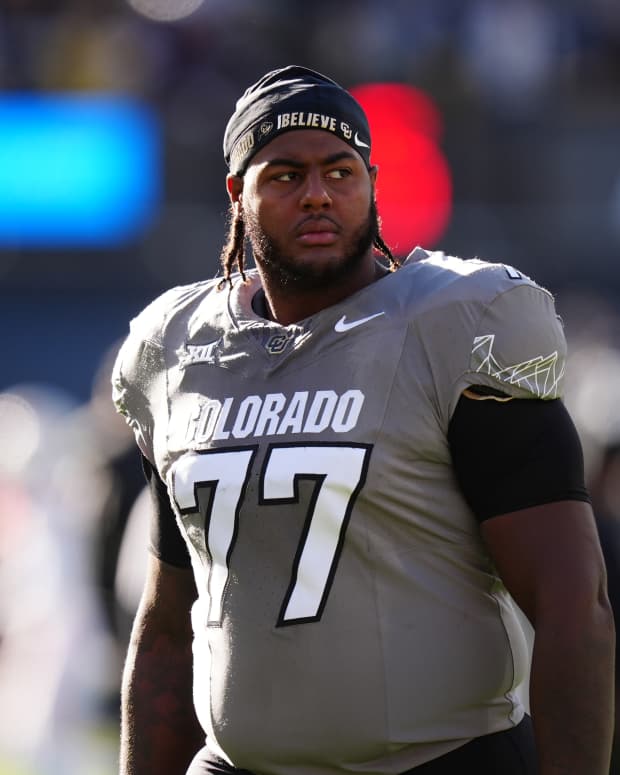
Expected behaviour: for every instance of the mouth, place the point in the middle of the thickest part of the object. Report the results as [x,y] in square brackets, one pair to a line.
[317,231]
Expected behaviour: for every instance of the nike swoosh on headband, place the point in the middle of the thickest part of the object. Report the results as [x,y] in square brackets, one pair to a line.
[359,142]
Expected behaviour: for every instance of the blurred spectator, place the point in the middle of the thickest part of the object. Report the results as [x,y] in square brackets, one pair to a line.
[54,655]
[119,462]
[605,490]
[509,51]
[593,329]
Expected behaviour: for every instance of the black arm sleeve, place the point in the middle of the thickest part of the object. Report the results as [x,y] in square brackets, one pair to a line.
[166,541]
[515,454]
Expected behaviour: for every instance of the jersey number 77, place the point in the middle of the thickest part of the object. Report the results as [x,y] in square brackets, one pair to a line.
[339,473]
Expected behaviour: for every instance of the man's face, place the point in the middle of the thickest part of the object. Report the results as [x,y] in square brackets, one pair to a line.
[308,205]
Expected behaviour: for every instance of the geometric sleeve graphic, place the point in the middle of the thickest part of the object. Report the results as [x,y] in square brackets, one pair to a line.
[539,375]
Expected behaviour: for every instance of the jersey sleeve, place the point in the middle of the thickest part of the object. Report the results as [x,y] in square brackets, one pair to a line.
[132,376]
[137,374]
[518,346]
[139,378]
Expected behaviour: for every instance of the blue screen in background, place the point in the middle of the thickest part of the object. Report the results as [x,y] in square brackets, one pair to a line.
[76,170]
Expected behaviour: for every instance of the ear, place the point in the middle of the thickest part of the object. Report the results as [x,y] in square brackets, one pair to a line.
[234,186]
[372,171]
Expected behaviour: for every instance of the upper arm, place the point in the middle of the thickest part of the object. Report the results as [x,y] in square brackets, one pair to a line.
[520,467]
[166,541]
[549,557]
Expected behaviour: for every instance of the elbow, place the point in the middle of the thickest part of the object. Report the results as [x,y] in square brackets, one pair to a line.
[604,613]
[578,613]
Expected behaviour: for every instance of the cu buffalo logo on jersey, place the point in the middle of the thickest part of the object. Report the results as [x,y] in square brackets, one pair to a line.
[277,343]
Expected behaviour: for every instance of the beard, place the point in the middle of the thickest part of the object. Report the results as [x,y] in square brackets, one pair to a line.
[303,276]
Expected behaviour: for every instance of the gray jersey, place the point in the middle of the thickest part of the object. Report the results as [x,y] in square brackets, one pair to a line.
[349,617]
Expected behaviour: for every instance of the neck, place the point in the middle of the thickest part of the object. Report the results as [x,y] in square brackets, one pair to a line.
[286,306]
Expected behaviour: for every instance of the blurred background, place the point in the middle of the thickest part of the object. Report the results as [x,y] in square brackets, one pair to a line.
[496,127]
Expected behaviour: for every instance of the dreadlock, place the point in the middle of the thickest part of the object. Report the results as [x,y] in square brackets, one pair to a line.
[380,245]
[233,251]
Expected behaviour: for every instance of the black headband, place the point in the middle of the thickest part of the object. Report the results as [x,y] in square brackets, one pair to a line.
[287,99]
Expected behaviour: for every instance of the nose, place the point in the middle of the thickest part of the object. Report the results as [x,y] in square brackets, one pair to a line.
[315,195]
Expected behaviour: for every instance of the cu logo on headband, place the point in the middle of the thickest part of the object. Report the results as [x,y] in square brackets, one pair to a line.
[265,128]
[346,130]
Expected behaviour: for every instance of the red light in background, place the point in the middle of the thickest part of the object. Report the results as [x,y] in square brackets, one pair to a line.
[414,186]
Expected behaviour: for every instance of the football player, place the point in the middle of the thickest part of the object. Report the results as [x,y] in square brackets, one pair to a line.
[361,471]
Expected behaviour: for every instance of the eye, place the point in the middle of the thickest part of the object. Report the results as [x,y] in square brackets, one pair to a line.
[339,174]
[286,177]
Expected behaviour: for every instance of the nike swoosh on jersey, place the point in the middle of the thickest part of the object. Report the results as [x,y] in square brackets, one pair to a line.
[343,325]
